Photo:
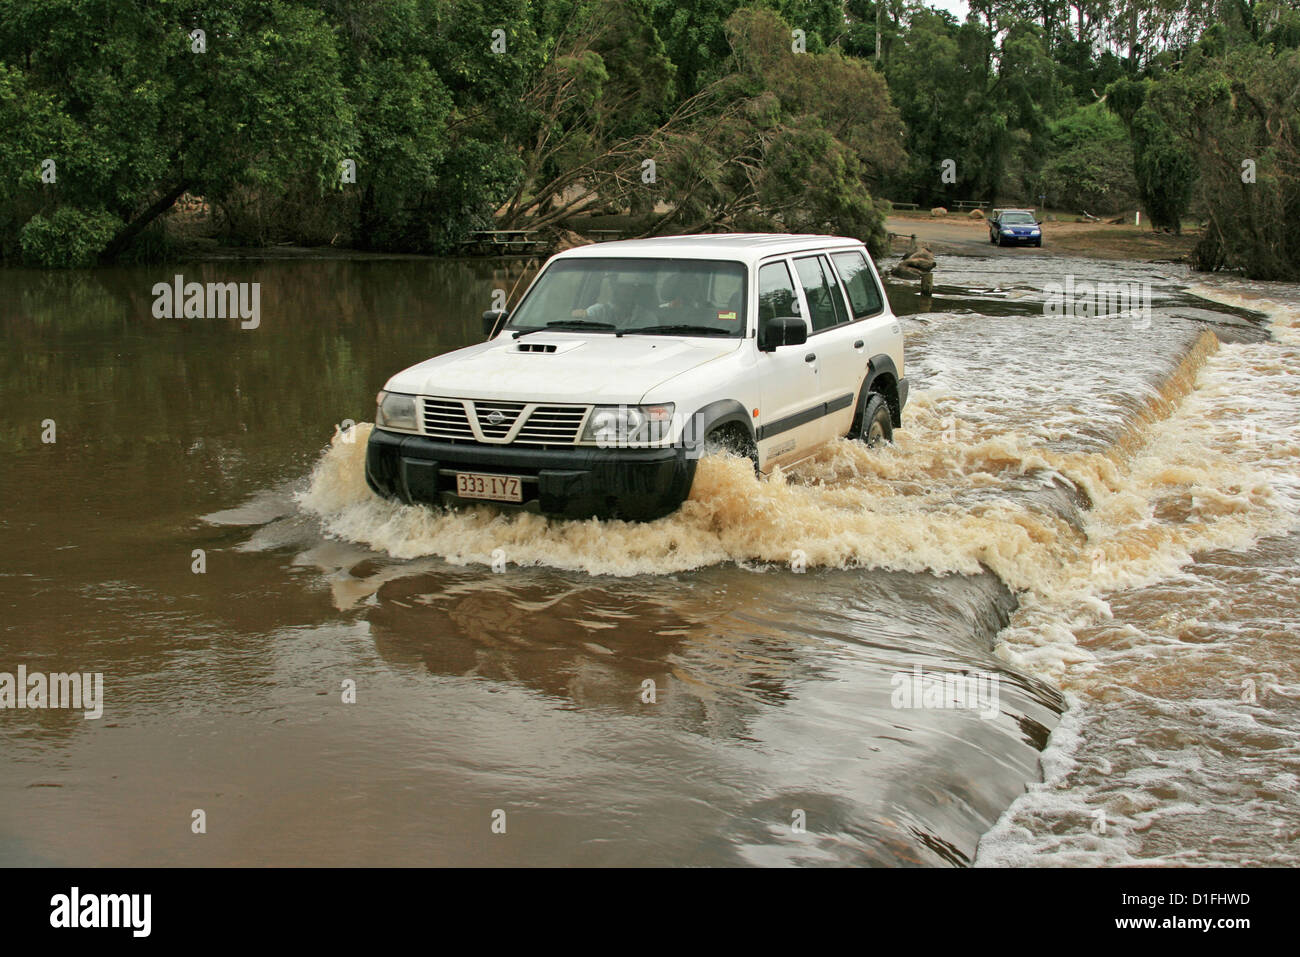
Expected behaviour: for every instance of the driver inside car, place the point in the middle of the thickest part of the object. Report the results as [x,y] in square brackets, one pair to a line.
[684,294]
[633,305]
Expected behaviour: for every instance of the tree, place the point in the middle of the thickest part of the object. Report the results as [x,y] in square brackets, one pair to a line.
[1089,165]
[140,111]
[1239,114]
[975,94]
[1163,167]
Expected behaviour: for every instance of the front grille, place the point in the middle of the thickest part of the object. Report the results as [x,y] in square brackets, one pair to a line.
[553,423]
[447,419]
[519,422]
[496,419]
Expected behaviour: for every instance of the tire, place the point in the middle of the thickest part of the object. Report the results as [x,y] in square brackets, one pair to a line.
[729,441]
[876,425]
[1039,244]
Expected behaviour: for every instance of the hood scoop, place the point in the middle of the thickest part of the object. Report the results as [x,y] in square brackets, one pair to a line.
[533,346]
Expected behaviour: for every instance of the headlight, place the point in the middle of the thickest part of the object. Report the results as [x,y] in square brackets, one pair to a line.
[396,411]
[1034,232]
[618,425]
[1006,232]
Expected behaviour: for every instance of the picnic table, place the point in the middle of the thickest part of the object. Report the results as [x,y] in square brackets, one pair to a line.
[505,241]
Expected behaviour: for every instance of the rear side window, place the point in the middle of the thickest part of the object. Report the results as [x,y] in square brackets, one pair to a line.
[776,298]
[825,303]
[864,294]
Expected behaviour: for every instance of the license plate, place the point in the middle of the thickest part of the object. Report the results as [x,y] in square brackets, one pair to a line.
[495,488]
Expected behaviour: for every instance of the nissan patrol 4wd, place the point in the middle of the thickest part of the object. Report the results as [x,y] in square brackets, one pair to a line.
[624,362]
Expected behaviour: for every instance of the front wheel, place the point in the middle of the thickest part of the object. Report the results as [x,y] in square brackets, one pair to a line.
[731,441]
[877,425]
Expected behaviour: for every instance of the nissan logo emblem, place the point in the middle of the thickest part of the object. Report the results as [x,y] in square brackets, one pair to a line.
[496,417]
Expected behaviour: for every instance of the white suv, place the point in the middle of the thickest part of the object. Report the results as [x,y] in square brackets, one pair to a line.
[626,361]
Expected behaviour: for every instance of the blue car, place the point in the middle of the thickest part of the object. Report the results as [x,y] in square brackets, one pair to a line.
[1015,227]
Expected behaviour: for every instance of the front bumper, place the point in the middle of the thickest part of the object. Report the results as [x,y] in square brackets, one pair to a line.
[577,482]
[1020,240]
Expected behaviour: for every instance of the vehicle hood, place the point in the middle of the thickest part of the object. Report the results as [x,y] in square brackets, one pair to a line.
[583,368]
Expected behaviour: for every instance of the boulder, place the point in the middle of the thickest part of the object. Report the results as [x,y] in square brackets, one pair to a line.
[975,214]
[921,260]
[938,211]
[906,272]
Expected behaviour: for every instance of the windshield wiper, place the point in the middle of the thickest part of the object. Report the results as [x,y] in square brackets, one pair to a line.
[568,324]
[678,328]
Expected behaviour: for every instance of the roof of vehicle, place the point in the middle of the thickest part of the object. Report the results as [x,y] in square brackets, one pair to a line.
[741,247]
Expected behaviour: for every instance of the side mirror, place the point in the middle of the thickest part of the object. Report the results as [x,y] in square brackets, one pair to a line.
[493,320]
[782,331]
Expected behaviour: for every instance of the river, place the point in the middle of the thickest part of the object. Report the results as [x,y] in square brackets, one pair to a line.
[1095,517]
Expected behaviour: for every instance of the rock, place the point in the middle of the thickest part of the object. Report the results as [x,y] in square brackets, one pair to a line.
[922,260]
[906,272]
[938,211]
[975,214]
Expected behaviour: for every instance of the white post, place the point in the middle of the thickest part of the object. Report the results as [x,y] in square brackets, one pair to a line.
[1137,219]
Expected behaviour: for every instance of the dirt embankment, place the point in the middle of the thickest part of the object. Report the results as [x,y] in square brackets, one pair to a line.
[958,235]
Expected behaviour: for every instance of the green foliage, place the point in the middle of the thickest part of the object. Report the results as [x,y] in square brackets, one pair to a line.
[448,134]
[972,95]
[1238,114]
[785,141]
[69,237]
[1163,167]
[1089,166]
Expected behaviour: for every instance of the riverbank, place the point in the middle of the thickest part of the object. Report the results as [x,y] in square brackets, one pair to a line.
[958,235]
[954,235]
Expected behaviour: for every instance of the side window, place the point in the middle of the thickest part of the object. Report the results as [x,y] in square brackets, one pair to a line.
[825,303]
[864,294]
[776,293]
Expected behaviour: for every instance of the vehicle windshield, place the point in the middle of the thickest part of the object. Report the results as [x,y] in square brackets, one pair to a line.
[686,297]
[1017,219]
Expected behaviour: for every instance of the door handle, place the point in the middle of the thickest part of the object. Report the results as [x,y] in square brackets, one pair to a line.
[810,357]
[859,344]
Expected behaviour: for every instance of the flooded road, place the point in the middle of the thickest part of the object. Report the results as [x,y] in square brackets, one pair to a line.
[1082,511]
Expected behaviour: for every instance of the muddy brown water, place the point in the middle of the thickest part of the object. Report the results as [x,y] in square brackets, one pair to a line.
[1092,515]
